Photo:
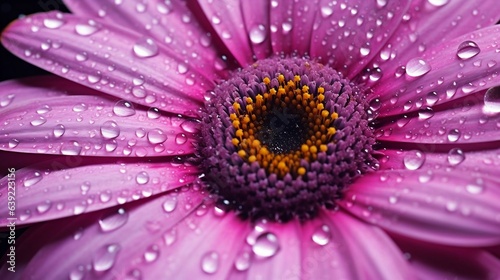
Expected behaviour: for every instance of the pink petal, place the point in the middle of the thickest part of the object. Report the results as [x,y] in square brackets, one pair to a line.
[461,122]
[42,120]
[338,246]
[281,26]
[112,60]
[449,77]
[121,239]
[227,20]
[75,185]
[256,17]
[433,261]
[348,35]
[418,31]
[444,206]
[169,23]
[304,14]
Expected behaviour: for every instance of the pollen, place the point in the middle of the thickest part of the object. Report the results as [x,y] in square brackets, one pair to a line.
[268,115]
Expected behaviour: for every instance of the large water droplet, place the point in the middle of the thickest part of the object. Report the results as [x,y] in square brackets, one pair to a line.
[113,220]
[156,136]
[180,138]
[413,160]
[142,178]
[38,121]
[87,28]
[110,130]
[326,11]
[258,34]
[425,113]
[170,204]
[266,245]
[43,207]
[71,148]
[105,257]
[438,3]
[59,130]
[153,113]
[145,47]
[492,100]
[52,23]
[210,262]
[13,143]
[467,49]
[453,135]
[123,108]
[455,156]
[32,179]
[417,67]
[322,235]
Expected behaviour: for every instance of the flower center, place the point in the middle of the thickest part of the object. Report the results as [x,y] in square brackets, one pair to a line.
[283,138]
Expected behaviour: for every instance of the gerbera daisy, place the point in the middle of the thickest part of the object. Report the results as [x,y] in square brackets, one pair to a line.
[254,140]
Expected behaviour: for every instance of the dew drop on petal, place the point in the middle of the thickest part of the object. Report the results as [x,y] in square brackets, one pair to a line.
[492,100]
[474,188]
[123,108]
[142,178]
[453,135]
[322,235]
[153,113]
[425,113]
[145,47]
[467,49]
[13,143]
[59,130]
[210,262]
[110,130]
[413,160]
[43,207]
[170,204]
[381,3]
[32,179]
[455,156]
[105,257]
[266,245]
[52,23]
[417,67]
[43,109]
[113,220]
[71,148]
[242,261]
[38,121]
[80,107]
[326,11]
[85,187]
[258,34]
[86,29]
[156,136]
[180,138]
[438,3]
[152,253]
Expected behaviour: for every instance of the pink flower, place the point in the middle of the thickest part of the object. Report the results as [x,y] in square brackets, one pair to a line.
[169,149]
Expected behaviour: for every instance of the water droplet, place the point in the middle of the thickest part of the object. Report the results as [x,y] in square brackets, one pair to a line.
[413,160]
[32,179]
[242,261]
[180,138]
[113,220]
[381,3]
[431,98]
[71,148]
[322,235]
[492,100]
[123,108]
[455,156]
[169,237]
[85,187]
[153,113]
[81,57]
[156,136]
[38,121]
[182,68]
[417,67]
[189,126]
[13,143]
[438,3]
[152,253]
[425,113]
[266,245]
[258,34]
[142,178]
[110,130]
[105,196]
[451,206]
[170,204]
[326,11]
[475,188]
[467,49]
[453,135]
[105,257]
[44,109]
[210,262]
[52,23]
[145,47]
[86,29]
[44,207]
[77,274]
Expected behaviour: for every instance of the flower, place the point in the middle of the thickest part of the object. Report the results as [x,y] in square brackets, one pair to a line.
[144,160]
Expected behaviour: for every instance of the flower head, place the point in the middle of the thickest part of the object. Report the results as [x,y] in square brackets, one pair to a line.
[262,139]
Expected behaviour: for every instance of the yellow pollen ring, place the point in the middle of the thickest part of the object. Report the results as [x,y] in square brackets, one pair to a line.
[289,94]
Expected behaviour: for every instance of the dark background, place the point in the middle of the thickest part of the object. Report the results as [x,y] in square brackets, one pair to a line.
[11,66]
